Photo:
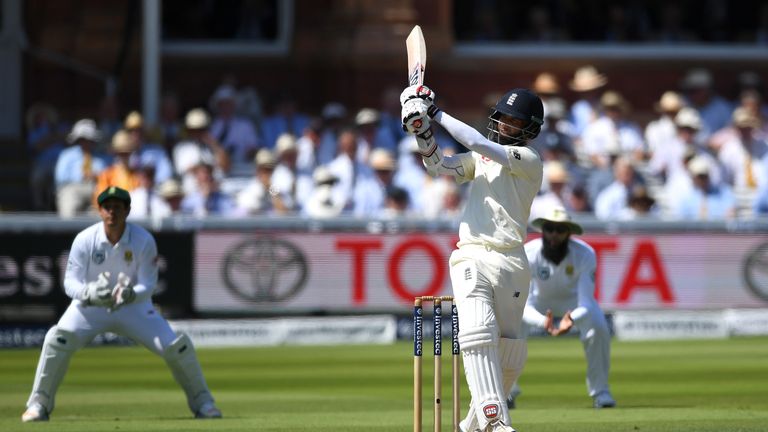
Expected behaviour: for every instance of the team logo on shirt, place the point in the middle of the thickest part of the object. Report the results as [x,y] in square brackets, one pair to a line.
[569,269]
[98,256]
[128,256]
[543,273]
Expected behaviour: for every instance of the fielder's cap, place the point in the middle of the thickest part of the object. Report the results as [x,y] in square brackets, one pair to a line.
[699,165]
[382,160]
[744,118]
[264,159]
[114,192]
[688,118]
[84,129]
[557,215]
[197,119]
[367,116]
[285,142]
[323,175]
[697,78]
[587,78]
[133,120]
[521,104]
[546,83]
[670,101]
[123,143]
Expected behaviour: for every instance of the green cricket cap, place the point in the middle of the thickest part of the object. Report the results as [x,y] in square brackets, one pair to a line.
[114,192]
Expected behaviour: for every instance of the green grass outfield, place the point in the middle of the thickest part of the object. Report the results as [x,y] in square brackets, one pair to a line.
[675,386]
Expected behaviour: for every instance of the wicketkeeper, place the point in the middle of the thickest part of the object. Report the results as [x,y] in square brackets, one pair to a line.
[111,274]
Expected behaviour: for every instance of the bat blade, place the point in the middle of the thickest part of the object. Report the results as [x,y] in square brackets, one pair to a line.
[417,56]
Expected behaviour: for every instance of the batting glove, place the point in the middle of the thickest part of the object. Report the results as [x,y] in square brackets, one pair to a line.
[98,292]
[418,92]
[415,119]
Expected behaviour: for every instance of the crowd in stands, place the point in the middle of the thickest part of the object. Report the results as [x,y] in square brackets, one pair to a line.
[702,158]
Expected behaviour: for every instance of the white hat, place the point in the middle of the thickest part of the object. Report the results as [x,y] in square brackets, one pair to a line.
[688,117]
[367,116]
[86,129]
[744,118]
[123,143]
[197,119]
[170,189]
[134,120]
[557,215]
[381,160]
[323,175]
[285,142]
[669,101]
[554,108]
[264,158]
[587,78]
[699,165]
[697,78]
[555,172]
[546,83]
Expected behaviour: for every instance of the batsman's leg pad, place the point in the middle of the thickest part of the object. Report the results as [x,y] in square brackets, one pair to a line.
[513,354]
[58,347]
[479,338]
[182,360]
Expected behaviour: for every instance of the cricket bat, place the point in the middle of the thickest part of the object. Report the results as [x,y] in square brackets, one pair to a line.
[417,56]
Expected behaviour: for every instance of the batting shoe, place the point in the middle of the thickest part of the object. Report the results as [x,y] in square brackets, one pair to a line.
[498,426]
[603,400]
[208,411]
[35,413]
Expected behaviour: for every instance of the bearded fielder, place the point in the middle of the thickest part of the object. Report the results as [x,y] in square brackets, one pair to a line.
[563,285]
[111,274]
[489,270]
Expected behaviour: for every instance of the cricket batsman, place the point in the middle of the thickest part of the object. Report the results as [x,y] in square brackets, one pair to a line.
[111,274]
[489,270]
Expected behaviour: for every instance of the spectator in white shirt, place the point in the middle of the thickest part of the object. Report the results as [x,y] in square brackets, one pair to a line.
[236,134]
[610,129]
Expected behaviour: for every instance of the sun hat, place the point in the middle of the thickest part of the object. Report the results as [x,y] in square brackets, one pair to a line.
[557,215]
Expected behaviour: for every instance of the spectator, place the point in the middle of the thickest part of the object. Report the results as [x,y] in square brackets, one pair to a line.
[705,201]
[587,82]
[555,142]
[347,168]
[390,130]
[45,142]
[169,129]
[260,196]
[760,204]
[662,130]
[171,191]
[614,199]
[367,122]
[286,118]
[321,204]
[555,190]
[742,156]
[109,121]
[236,134]
[145,201]
[412,176]
[715,111]
[199,146]
[369,195]
[613,128]
[77,168]
[147,153]
[334,115]
[308,145]
[751,101]
[207,199]
[395,203]
[640,204]
[121,173]
[293,186]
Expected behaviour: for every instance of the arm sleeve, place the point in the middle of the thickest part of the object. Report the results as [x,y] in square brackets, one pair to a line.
[77,265]
[586,289]
[520,160]
[147,273]
[532,317]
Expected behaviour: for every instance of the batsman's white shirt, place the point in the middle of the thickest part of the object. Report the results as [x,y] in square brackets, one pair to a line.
[568,286]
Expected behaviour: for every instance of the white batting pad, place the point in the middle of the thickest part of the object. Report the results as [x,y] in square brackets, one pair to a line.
[182,360]
[513,354]
[58,347]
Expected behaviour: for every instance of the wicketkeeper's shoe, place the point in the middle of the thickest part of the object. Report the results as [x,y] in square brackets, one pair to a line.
[603,400]
[208,411]
[35,412]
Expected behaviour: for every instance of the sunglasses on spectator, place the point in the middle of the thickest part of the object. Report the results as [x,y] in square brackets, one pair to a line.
[560,229]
